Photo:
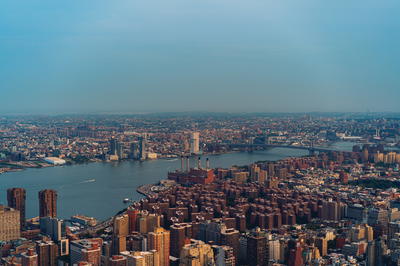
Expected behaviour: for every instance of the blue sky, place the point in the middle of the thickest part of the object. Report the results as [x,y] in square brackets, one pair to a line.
[209,55]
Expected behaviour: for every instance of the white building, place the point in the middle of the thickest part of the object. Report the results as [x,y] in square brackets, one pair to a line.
[54,160]
[195,143]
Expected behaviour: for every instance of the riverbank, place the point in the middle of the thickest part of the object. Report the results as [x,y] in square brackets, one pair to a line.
[151,189]
[98,189]
[11,166]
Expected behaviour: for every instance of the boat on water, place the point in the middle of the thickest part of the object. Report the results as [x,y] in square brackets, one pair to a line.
[126,200]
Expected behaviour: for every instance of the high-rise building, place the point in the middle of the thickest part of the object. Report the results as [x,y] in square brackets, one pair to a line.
[230,237]
[322,245]
[256,247]
[159,240]
[195,143]
[10,228]
[47,253]
[147,222]
[132,217]
[121,225]
[179,235]
[120,232]
[197,253]
[120,150]
[118,244]
[134,151]
[295,256]
[29,258]
[150,258]
[223,255]
[113,146]
[53,227]
[48,203]
[92,255]
[274,250]
[142,148]
[136,241]
[86,250]
[16,199]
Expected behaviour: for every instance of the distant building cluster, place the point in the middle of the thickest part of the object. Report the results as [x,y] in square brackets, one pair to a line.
[328,208]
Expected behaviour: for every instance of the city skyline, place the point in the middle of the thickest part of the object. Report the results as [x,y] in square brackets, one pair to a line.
[130,57]
[199,133]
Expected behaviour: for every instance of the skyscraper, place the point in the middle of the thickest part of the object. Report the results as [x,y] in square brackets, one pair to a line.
[16,199]
[9,224]
[113,146]
[121,228]
[47,203]
[142,148]
[195,143]
[159,240]
[120,150]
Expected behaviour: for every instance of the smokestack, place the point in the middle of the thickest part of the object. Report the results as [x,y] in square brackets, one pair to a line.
[182,164]
[187,164]
[199,162]
[207,164]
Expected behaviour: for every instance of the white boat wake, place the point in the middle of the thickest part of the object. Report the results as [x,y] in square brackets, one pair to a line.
[88,181]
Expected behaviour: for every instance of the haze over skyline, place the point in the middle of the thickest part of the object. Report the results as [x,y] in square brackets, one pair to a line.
[226,55]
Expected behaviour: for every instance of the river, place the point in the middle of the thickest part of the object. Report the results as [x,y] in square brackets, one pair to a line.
[98,189]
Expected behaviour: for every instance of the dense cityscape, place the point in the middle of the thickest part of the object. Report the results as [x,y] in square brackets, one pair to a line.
[332,206]
[199,133]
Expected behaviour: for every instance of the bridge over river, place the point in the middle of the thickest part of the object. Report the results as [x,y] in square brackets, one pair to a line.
[312,149]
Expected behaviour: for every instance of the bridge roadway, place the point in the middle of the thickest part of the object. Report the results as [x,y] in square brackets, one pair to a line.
[309,148]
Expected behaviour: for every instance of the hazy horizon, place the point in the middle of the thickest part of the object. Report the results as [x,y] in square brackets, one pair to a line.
[215,56]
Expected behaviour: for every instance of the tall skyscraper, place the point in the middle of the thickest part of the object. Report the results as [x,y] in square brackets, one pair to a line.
[120,150]
[134,151]
[113,146]
[195,143]
[9,224]
[121,228]
[132,217]
[48,203]
[159,240]
[16,199]
[142,148]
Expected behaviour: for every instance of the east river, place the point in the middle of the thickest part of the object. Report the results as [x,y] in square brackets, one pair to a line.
[98,189]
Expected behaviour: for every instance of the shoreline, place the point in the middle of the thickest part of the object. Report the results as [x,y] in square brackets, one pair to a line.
[19,166]
[144,189]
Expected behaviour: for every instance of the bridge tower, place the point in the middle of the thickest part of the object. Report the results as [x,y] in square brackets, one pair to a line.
[311,150]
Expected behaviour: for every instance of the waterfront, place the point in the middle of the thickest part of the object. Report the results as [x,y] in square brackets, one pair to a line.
[98,189]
